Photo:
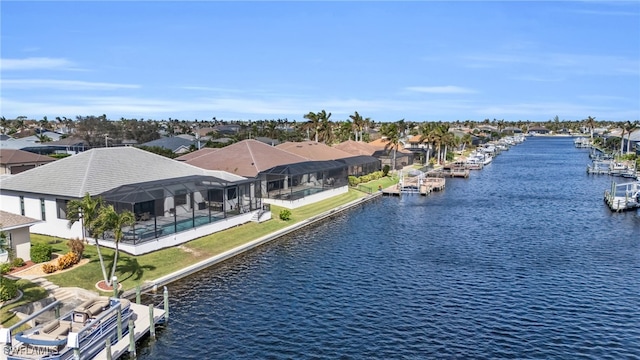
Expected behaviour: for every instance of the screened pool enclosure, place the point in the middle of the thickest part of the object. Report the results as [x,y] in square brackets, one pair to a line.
[295,181]
[165,207]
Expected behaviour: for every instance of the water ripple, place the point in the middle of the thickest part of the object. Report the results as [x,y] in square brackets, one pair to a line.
[520,261]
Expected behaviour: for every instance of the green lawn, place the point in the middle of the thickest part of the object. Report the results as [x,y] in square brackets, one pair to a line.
[31,292]
[135,270]
[373,186]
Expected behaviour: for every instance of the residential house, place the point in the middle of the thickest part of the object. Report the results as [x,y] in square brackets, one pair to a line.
[173,202]
[538,130]
[356,165]
[17,237]
[286,179]
[385,153]
[176,144]
[14,161]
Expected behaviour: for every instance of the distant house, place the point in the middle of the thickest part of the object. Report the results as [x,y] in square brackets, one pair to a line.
[538,130]
[16,161]
[177,144]
[512,130]
[312,150]
[63,146]
[356,148]
[634,139]
[229,129]
[356,165]
[385,154]
[54,136]
[286,179]
[69,145]
[17,236]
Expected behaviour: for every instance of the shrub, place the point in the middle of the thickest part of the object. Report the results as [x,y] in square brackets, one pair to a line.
[5,268]
[49,268]
[8,289]
[77,246]
[40,253]
[353,180]
[17,262]
[285,215]
[68,260]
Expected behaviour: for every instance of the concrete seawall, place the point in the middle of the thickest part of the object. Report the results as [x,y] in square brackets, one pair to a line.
[248,246]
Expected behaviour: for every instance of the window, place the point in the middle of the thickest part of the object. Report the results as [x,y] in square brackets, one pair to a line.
[61,208]
[42,210]
[22,205]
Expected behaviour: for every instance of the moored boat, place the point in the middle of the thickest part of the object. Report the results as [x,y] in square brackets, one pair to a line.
[81,333]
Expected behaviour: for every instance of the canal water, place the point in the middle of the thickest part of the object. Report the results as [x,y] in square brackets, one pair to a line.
[521,260]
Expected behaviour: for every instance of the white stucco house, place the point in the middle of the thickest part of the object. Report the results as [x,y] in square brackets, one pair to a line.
[173,202]
[17,236]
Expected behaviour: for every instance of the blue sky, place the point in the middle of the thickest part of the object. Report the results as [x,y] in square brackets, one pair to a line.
[416,60]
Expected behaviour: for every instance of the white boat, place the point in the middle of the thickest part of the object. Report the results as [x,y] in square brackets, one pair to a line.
[82,331]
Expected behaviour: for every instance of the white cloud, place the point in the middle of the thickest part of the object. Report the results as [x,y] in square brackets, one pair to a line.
[63,84]
[34,63]
[547,110]
[294,107]
[449,89]
[577,64]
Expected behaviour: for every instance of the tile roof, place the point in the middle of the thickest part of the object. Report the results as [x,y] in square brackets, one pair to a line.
[98,170]
[380,144]
[245,158]
[197,153]
[14,156]
[312,150]
[356,147]
[10,221]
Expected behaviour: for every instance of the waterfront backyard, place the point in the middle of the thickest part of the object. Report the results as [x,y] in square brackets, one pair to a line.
[136,270]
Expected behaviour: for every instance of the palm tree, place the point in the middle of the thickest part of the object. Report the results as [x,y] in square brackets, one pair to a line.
[358,122]
[591,124]
[630,127]
[110,220]
[326,128]
[43,138]
[466,141]
[624,128]
[87,211]
[323,118]
[314,121]
[4,124]
[392,133]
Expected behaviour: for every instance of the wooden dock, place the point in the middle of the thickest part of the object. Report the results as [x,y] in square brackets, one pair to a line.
[142,327]
[451,172]
[422,186]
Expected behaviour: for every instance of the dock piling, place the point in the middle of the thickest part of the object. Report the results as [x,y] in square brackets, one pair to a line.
[138,291]
[107,347]
[119,322]
[132,340]
[114,283]
[152,323]
[166,304]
